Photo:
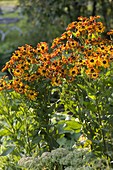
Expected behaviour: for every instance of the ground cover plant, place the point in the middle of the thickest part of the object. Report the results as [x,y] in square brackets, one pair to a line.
[62,158]
[75,75]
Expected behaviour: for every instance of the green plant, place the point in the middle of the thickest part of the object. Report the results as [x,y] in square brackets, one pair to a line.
[23,133]
[87,85]
[63,159]
[79,70]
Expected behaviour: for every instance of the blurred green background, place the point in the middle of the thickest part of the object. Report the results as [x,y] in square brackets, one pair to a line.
[31,21]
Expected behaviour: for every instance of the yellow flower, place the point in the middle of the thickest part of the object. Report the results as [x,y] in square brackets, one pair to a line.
[31,94]
[9,85]
[55,81]
[110,32]
[2,85]
[15,82]
[94,75]
[18,72]
[104,62]
[71,26]
[43,71]
[42,47]
[18,86]
[91,61]
[73,71]
[92,72]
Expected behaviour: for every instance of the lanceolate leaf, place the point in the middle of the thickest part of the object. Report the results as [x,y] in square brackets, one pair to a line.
[8,151]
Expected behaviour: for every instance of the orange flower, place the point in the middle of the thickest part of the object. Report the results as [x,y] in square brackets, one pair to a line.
[55,81]
[91,61]
[42,47]
[9,85]
[99,27]
[19,89]
[111,58]
[15,82]
[43,71]
[81,18]
[32,77]
[18,72]
[45,58]
[92,72]
[73,71]
[110,32]
[104,62]
[72,44]
[56,42]
[94,75]
[6,67]
[2,85]
[71,26]
[31,94]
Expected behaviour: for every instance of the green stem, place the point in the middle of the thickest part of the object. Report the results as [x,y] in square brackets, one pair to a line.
[27,135]
[100,123]
[7,116]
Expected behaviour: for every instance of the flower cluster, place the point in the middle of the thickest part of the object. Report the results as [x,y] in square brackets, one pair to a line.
[80,48]
[27,65]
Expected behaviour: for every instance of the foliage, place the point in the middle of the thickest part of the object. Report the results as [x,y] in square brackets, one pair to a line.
[24,132]
[87,88]
[78,71]
[92,104]
[63,159]
[20,132]
[62,12]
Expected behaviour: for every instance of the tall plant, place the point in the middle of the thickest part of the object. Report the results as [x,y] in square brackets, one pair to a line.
[26,104]
[79,68]
[87,87]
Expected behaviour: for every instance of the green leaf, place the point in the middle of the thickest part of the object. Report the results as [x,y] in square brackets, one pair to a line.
[4,132]
[82,87]
[37,139]
[72,125]
[61,141]
[8,151]
[93,97]
[74,34]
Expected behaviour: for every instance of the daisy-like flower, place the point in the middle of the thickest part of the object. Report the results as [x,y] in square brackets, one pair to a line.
[18,72]
[111,58]
[15,82]
[42,47]
[32,77]
[99,27]
[91,61]
[104,62]
[2,85]
[43,71]
[31,94]
[110,32]
[6,66]
[9,85]
[73,71]
[71,26]
[19,89]
[56,42]
[66,35]
[72,44]
[94,75]
[55,81]
[92,72]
